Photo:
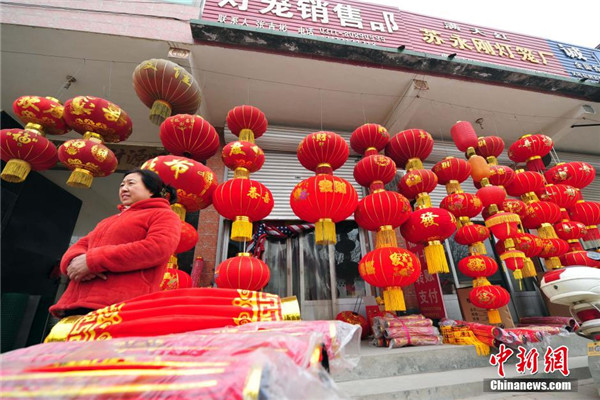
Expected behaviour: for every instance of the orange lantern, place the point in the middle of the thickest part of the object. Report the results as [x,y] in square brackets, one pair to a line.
[94,114]
[243,158]
[531,149]
[452,172]
[490,147]
[166,88]
[409,147]
[479,268]
[382,211]
[242,272]
[480,169]
[24,150]
[189,136]
[323,152]
[490,298]
[47,112]
[369,139]
[247,122]
[374,171]
[390,268]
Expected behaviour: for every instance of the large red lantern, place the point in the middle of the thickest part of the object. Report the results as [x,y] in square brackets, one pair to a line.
[464,137]
[47,112]
[247,122]
[243,201]
[462,204]
[195,182]
[540,215]
[369,139]
[578,257]
[374,171]
[525,184]
[323,152]
[452,171]
[588,212]
[491,298]
[478,267]
[188,238]
[189,136]
[430,226]
[409,147]
[531,149]
[472,235]
[565,196]
[577,174]
[24,150]
[242,272]
[94,114]
[390,268]
[166,88]
[324,200]
[417,183]
[243,158]
[492,198]
[490,147]
[87,158]
[382,211]
[552,250]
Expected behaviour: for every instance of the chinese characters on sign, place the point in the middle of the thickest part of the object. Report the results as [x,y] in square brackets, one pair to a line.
[555,360]
[428,288]
[579,62]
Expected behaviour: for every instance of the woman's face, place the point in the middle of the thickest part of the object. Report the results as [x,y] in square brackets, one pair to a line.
[133,190]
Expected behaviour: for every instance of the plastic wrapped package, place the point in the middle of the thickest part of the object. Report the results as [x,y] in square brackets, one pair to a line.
[568,323]
[417,340]
[411,331]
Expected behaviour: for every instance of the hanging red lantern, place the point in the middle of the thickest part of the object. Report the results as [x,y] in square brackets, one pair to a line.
[529,244]
[565,196]
[588,212]
[409,147]
[382,211]
[374,171]
[430,226]
[570,230]
[94,114]
[47,112]
[578,257]
[247,122]
[492,198]
[243,157]
[355,318]
[531,149]
[472,235]
[515,261]
[417,183]
[87,158]
[464,137]
[490,147]
[369,139]
[189,136]
[525,185]
[242,272]
[479,268]
[390,268]
[243,201]
[540,215]
[188,238]
[195,182]
[452,171]
[491,298]
[323,152]
[552,250]
[24,150]
[500,175]
[514,206]
[166,88]
[503,225]
[324,200]
[175,279]
[577,174]
[462,204]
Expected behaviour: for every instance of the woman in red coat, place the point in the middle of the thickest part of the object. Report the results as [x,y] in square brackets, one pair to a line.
[125,255]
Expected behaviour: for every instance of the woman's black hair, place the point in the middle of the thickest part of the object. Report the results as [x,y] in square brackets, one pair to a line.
[155,185]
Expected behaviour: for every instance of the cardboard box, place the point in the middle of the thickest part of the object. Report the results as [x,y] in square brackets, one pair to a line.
[471,313]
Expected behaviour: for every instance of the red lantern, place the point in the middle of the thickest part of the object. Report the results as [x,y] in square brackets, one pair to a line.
[87,158]
[552,250]
[247,122]
[382,211]
[515,261]
[47,112]
[324,200]
[189,136]
[242,272]
[531,149]
[188,238]
[462,204]
[526,184]
[243,201]
[374,171]
[323,152]
[195,182]
[166,88]
[93,114]
[464,136]
[542,213]
[472,235]
[451,172]
[491,196]
[578,174]
[570,230]
[588,212]
[564,195]
[430,226]
[175,279]
[490,147]
[390,268]
[355,318]
[369,138]
[503,225]
[529,244]
[409,147]
[578,257]
[416,183]
[24,150]
[490,298]
[515,206]
[243,157]
[501,175]
[479,268]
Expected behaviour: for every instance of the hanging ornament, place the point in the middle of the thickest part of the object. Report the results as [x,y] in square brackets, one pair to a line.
[491,298]
[188,238]
[417,184]
[369,139]
[490,147]
[323,152]
[478,267]
[189,136]
[452,172]
[243,158]
[374,171]
[247,122]
[472,235]
[24,150]
[588,212]
[552,250]
[47,112]
[242,272]
[408,148]
[382,211]
[530,149]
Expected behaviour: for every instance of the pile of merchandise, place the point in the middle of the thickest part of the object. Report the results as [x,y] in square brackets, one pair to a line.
[414,330]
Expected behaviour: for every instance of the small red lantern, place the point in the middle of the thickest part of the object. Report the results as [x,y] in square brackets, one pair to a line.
[243,201]
[503,225]
[390,268]
[382,211]
[323,152]
[166,88]
[417,183]
[369,139]
[542,214]
[464,137]
[552,250]
[355,318]
[515,206]
[242,272]
[188,238]
[500,175]
[374,171]
[324,200]
[531,149]
[565,196]
[47,112]
[577,174]
[430,226]
[24,150]
[479,268]
[578,257]
[570,230]
[588,212]
[492,198]
[462,204]
[490,147]
[472,235]
[491,298]
[87,158]
[526,184]
[529,244]
[247,122]
[189,136]
[175,279]
[94,114]
[243,157]
[515,261]
[409,147]
[452,172]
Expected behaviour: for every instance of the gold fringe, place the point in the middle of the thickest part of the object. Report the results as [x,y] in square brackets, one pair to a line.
[179,209]
[477,248]
[241,229]
[290,309]
[518,274]
[385,237]
[481,281]
[394,299]
[501,219]
[530,197]
[80,178]
[553,263]
[529,268]
[453,186]
[546,231]
[160,111]
[413,163]
[16,170]
[241,173]
[247,135]
[325,232]
[423,201]
[435,258]
[492,160]
[494,317]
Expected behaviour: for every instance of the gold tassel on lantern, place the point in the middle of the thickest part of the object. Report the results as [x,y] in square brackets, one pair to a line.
[325,231]
[546,231]
[529,269]
[494,317]
[179,210]
[241,229]
[247,135]
[481,281]
[435,258]
[81,178]
[477,248]
[393,299]
[160,111]
[16,171]
[553,263]
[385,237]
